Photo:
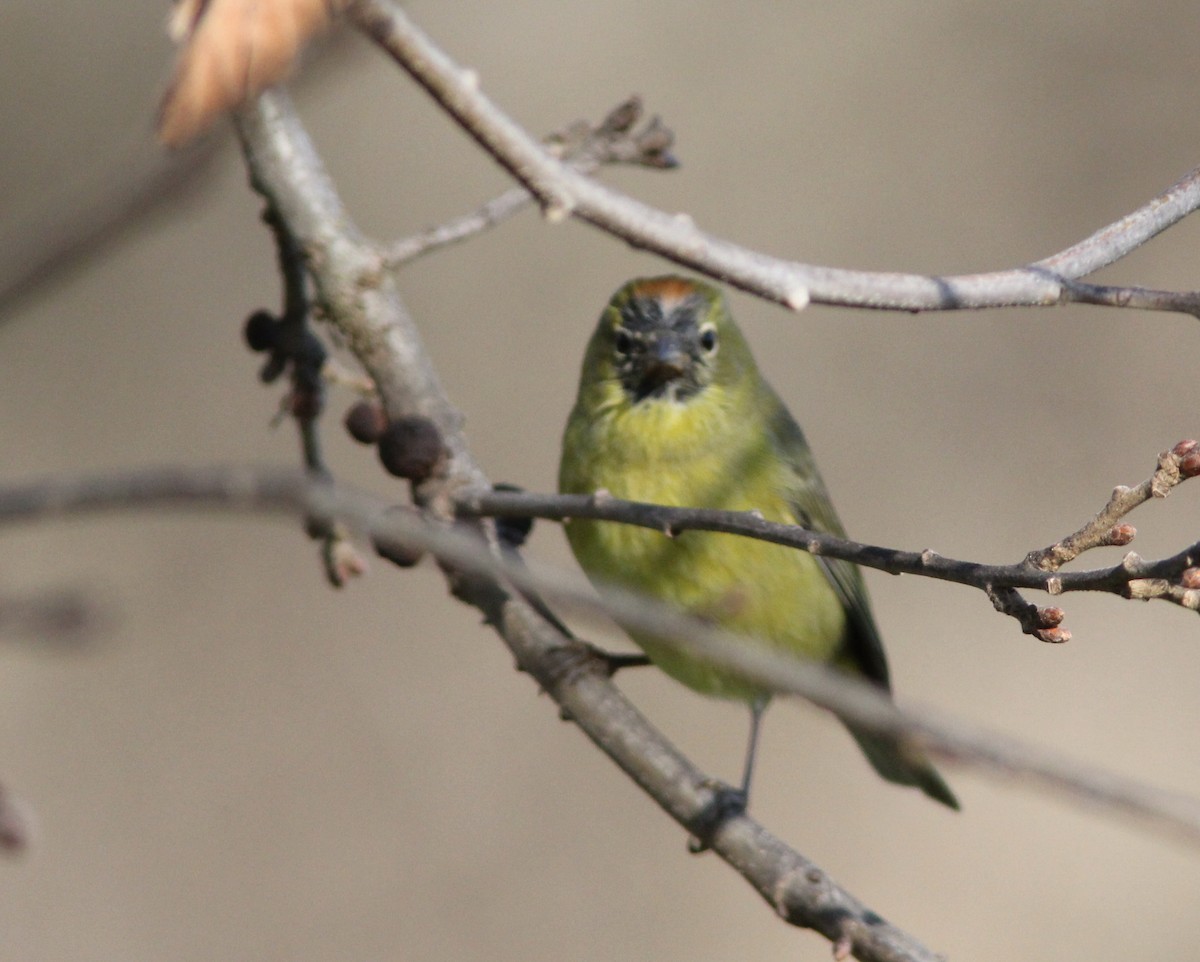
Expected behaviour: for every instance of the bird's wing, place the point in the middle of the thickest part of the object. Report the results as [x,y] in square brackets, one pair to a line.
[813,509]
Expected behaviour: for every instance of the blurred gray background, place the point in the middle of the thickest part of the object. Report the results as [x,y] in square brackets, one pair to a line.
[245,764]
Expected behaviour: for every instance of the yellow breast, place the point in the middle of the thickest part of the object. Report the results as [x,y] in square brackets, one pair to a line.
[696,454]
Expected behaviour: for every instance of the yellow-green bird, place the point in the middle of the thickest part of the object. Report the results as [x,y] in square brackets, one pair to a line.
[673,410]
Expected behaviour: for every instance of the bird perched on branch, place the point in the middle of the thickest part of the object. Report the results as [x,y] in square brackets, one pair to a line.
[672,410]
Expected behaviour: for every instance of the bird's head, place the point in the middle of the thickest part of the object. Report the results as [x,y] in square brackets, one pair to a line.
[664,339]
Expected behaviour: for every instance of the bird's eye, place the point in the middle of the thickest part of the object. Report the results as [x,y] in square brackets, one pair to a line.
[624,343]
[708,339]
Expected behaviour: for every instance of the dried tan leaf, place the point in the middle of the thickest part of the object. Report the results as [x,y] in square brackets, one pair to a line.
[232,50]
[183,18]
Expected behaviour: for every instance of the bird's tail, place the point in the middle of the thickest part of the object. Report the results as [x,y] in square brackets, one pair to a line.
[903,765]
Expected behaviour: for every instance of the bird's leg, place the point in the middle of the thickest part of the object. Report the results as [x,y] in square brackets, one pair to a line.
[730,802]
[733,801]
[757,707]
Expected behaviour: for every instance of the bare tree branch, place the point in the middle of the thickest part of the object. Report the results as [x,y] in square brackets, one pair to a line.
[562,191]
[290,492]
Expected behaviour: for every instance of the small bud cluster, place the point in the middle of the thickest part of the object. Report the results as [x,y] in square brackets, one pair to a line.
[1049,630]
[614,139]
[1121,535]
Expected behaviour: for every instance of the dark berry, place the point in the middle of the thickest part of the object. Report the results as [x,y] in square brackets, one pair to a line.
[411,447]
[366,422]
[261,331]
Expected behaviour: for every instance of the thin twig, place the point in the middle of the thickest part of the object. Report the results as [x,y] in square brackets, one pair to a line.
[1174,579]
[585,147]
[300,352]
[495,211]
[1024,574]
[562,191]
[1178,464]
[1045,624]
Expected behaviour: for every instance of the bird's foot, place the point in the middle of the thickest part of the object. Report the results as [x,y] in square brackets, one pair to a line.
[614,661]
[727,802]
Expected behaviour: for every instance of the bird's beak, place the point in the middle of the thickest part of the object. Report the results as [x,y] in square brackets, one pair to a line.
[664,362]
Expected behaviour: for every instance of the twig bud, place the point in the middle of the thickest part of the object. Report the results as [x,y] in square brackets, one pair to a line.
[1189,464]
[557,210]
[342,562]
[1050,617]
[1121,534]
[1183,448]
[797,298]
[1190,578]
[1131,562]
[654,146]
[1053,636]
[411,447]
[622,117]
